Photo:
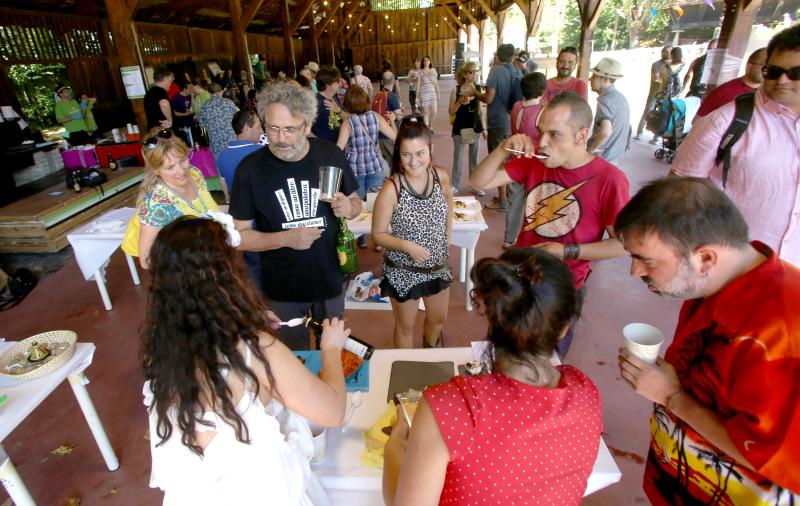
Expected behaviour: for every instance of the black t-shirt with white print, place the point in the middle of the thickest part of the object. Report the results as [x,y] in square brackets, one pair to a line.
[280,195]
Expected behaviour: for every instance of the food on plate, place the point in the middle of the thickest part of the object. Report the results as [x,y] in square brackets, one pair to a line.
[350,363]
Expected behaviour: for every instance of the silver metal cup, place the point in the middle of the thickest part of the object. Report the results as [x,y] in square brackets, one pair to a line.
[330,178]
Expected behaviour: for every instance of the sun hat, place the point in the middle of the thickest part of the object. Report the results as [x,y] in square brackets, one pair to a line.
[608,67]
[313,66]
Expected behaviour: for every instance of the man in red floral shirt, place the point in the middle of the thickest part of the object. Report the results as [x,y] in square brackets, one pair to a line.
[727,392]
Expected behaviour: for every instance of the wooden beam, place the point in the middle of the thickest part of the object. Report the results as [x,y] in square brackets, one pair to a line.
[347,15]
[590,12]
[522,6]
[251,12]
[467,13]
[120,24]
[533,17]
[328,18]
[488,10]
[447,10]
[445,22]
[288,46]
[313,32]
[301,13]
[131,6]
[362,18]
[735,32]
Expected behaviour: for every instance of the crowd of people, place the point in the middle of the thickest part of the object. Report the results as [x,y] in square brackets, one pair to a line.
[720,236]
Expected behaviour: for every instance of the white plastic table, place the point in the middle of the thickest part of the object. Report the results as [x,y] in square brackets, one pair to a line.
[348,483]
[96,241]
[25,396]
[465,235]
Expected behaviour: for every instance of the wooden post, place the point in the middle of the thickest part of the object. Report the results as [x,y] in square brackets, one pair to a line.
[242,58]
[378,56]
[533,16]
[734,34]
[313,29]
[481,47]
[427,34]
[590,12]
[120,23]
[288,47]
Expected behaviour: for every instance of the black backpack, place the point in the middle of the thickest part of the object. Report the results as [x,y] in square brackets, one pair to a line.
[515,93]
[20,284]
[745,104]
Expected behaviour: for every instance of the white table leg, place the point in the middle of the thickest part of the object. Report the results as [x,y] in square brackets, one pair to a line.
[76,381]
[132,267]
[462,265]
[101,285]
[470,262]
[12,482]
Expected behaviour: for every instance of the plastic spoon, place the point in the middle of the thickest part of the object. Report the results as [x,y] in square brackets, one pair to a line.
[294,322]
[519,152]
[355,402]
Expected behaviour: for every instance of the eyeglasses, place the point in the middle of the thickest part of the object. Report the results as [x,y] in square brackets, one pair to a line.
[152,142]
[774,72]
[288,131]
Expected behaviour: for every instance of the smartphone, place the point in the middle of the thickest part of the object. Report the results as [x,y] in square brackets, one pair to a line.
[408,402]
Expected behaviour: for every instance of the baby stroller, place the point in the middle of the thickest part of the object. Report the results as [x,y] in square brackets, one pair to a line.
[667,120]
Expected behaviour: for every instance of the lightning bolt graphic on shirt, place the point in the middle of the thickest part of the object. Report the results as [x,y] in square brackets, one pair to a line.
[549,207]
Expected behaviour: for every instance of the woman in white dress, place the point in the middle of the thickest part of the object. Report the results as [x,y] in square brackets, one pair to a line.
[428,91]
[228,403]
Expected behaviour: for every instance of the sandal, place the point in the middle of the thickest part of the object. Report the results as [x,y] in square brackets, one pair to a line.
[438,344]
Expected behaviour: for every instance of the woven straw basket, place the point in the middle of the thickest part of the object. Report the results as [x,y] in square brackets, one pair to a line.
[49,365]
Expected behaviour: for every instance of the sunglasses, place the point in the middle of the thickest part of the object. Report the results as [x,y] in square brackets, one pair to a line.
[152,142]
[774,72]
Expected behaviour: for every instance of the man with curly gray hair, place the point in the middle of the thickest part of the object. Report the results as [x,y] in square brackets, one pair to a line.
[276,208]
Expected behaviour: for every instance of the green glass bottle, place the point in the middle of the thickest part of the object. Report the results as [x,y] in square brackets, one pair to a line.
[346,248]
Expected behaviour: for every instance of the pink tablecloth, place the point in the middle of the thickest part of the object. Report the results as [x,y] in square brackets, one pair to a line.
[204,160]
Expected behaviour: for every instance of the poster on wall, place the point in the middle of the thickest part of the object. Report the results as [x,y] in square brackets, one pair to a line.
[214,68]
[133,82]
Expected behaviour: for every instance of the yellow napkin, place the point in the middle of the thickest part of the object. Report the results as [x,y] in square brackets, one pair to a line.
[375,438]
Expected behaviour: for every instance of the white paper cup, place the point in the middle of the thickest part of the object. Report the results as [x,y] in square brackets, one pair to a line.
[318,435]
[643,341]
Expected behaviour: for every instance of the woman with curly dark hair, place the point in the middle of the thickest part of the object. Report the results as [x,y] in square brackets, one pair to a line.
[227,401]
[527,430]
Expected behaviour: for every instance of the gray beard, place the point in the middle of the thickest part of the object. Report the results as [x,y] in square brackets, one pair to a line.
[294,153]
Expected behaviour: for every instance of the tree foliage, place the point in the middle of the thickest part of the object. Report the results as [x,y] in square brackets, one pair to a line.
[35,85]
[635,26]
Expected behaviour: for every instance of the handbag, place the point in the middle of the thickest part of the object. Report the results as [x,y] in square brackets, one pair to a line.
[468,135]
[130,243]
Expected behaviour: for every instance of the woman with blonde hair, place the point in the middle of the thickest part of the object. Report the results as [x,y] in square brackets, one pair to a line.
[467,123]
[171,188]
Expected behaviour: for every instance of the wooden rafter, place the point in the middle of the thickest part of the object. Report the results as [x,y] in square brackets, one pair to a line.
[132,5]
[347,15]
[328,19]
[467,13]
[362,17]
[250,13]
[447,10]
[445,22]
[487,9]
[522,6]
[300,14]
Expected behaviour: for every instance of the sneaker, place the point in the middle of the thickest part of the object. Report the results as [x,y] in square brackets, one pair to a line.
[454,190]
[362,242]
[479,193]
[637,137]
[653,140]
[497,205]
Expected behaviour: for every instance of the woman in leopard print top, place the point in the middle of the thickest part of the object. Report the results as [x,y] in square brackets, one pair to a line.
[416,205]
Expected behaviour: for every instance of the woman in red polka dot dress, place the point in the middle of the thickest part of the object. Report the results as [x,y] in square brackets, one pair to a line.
[528,433]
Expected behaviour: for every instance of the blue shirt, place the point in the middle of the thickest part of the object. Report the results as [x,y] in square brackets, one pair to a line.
[328,123]
[500,79]
[230,157]
[392,105]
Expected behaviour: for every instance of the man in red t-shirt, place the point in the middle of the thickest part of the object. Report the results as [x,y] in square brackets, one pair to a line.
[728,92]
[727,392]
[571,196]
[563,81]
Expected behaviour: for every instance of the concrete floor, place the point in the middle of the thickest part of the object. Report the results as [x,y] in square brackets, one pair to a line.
[65,300]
